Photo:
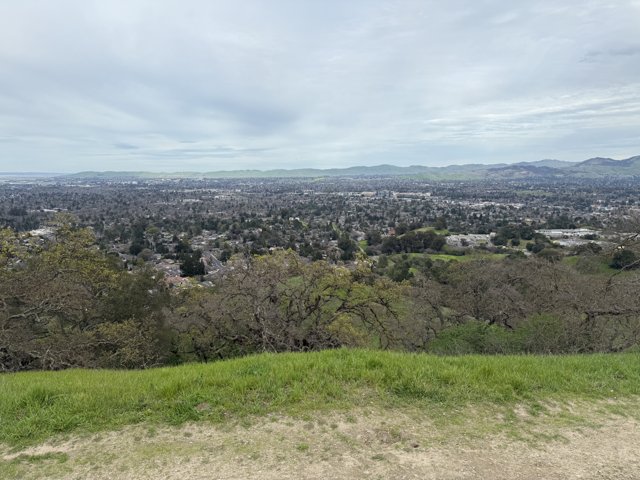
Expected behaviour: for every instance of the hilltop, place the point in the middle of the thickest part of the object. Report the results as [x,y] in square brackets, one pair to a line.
[342,413]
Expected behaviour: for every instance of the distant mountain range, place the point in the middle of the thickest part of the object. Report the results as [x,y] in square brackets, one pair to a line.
[592,168]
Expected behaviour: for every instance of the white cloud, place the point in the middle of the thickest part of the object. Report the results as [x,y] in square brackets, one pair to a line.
[214,85]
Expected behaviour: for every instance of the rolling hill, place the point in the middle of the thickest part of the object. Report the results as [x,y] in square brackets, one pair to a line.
[592,168]
[343,414]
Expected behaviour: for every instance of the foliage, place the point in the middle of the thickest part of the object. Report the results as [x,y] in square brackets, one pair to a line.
[347,246]
[547,334]
[191,264]
[414,242]
[65,303]
[281,302]
[56,300]
[624,258]
[473,337]
[540,334]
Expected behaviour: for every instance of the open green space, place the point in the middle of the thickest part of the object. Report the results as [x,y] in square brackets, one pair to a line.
[467,258]
[597,265]
[35,406]
[434,230]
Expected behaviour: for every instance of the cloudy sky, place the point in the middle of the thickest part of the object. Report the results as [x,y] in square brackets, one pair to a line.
[217,85]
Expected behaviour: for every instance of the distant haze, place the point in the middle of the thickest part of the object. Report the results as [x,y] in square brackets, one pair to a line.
[200,85]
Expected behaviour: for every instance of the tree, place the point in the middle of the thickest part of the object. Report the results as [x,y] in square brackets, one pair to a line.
[550,254]
[401,271]
[57,300]
[347,246]
[441,223]
[373,237]
[191,264]
[624,258]
[281,302]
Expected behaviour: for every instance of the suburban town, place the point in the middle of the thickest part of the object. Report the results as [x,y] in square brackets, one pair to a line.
[188,228]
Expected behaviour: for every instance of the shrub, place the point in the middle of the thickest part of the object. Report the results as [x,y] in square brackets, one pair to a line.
[623,259]
[473,337]
[543,334]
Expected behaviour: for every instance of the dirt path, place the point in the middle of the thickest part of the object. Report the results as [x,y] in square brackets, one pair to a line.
[371,445]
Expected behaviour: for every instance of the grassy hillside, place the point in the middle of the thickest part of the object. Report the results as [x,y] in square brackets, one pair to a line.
[37,405]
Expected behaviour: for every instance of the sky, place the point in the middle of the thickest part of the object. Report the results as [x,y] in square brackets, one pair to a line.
[204,85]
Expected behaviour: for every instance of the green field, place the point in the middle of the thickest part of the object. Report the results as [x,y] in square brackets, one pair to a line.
[595,266]
[432,229]
[470,257]
[467,258]
[35,406]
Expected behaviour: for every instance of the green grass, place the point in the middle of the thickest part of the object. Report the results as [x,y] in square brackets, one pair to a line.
[35,406]
[571,260]
[433,229]
[467,258]
[600,266]
[49,465]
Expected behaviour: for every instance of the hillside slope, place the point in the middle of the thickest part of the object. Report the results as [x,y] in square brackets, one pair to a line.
[576,444]
[37,405]
[333,414]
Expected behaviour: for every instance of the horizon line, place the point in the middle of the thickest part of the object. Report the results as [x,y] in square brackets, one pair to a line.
[41,173]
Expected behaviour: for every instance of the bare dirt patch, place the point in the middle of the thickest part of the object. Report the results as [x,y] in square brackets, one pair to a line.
[366,445]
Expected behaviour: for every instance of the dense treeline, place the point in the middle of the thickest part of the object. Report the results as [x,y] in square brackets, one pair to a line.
[65,303]
[414,242]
